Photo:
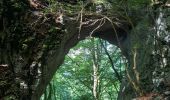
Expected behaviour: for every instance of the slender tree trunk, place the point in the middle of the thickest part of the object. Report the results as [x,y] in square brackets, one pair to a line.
[95,81]
[95,71]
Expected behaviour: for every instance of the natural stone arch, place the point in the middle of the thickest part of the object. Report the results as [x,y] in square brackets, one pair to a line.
[115,34]
[128,43]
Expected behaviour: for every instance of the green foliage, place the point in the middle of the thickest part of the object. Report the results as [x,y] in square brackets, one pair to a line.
[75,76]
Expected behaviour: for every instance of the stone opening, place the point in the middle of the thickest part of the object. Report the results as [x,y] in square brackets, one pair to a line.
[67,72]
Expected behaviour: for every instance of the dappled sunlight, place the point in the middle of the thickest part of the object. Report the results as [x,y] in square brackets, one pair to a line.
[77,72]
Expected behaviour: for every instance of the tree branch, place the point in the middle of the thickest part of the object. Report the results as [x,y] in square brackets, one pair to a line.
[111,62]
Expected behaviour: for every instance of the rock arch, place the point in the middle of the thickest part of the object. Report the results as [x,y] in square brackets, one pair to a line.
[115,34]
[136,47]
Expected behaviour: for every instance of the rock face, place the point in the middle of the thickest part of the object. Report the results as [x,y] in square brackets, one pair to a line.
[26,40]
[34,44]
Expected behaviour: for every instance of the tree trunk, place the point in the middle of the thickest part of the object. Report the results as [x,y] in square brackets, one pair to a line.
[95,71]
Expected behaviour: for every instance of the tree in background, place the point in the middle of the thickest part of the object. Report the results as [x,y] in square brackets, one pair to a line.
[87,73]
